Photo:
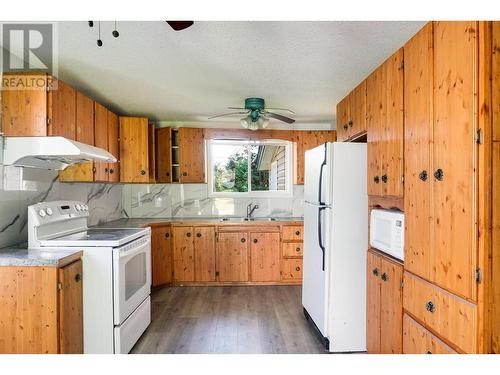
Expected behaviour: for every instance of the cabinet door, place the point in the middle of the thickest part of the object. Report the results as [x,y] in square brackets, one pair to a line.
[71,309]
[418,340]
[343,119]
[24,112]
[391,307]
[84,134]
[204,253]
[161,255]
[307,141]
[357,110]
[101,140]
[375,108]
[232,255]
[418,139]
[113,146]
[265,256]
[192,155]
[454,156]
[373,303]
[392,127]
[291,270]
[164,155]
[134,149]
[62,110]
[183,254]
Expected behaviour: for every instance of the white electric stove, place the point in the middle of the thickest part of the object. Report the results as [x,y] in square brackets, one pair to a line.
[116,272]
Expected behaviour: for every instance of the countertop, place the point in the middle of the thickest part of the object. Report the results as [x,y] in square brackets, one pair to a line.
[138,223]
[20,256]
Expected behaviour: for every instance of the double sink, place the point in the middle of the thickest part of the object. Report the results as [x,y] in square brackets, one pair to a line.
[243,219]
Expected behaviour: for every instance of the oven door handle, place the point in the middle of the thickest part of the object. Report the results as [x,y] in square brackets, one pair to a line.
[126,252]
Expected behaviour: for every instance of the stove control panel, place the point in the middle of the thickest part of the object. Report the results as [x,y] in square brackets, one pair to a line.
[47,212]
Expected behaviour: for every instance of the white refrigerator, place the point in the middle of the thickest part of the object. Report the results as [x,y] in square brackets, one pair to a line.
[335,244]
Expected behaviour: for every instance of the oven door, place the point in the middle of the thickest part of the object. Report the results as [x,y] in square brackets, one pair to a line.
[131,277]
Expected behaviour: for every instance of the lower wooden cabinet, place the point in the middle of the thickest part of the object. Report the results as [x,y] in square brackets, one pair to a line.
[418,340]
[41,309]
[265,256]
[183,254]
[291,269]
[161,255]
[232,253]
[384,304]
[204,254]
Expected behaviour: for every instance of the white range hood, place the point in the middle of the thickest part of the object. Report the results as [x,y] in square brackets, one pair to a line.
[50,152]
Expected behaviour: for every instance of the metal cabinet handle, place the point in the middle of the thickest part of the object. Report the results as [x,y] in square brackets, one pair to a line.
[429,306]
[439,174]
[297,269]
[167,235]
[255,240]
[78,277]
[423,175]
[297,233]
[243,240]
[375,271]
[198,234]
[384,277]
[188,234]
[143,172]
[376,179]
[384,178]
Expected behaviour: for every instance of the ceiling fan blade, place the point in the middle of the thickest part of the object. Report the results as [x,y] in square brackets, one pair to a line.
[180,25]
[229,114]
[288,120]
[281,109]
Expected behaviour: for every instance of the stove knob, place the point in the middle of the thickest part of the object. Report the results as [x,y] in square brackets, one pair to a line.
[86,207]
[42,213]
[49,211]
[78,207]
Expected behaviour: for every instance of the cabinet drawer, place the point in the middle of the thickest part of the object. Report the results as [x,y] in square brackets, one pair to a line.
[293,249]
[418,340]
[293,233]
[453,318]
[291,269]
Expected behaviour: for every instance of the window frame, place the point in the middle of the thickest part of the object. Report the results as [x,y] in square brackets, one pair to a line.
[287,193]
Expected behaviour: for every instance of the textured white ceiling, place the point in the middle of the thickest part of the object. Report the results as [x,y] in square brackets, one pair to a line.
[190,75]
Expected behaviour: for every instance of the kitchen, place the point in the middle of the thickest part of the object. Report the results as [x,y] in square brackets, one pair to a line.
[248,222]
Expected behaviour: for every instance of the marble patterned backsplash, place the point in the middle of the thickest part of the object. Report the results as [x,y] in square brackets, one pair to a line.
[191,200]
[21,187]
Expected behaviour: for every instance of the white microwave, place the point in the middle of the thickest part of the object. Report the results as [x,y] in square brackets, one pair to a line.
[387,232]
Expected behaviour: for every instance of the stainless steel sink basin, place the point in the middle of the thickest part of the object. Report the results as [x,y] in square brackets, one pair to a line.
[233,219]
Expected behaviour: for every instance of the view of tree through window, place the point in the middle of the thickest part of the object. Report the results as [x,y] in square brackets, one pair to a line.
[238,164]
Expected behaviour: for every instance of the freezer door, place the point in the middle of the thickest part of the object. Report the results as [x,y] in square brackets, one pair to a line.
[315,269]
[316,189]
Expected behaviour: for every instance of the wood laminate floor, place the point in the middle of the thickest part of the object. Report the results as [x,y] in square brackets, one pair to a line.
[229,319]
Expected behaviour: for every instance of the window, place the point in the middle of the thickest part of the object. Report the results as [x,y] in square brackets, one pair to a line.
[250,168]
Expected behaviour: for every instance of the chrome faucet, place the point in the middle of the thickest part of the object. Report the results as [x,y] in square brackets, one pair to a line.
[250,209]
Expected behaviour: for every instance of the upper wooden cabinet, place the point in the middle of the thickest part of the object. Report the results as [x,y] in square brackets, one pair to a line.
[134,149]
[351,114]
[384,107]
[307,140]
[163,155]
[384,305]
[440,99]
[192,155]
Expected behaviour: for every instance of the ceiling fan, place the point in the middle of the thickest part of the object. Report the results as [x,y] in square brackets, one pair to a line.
[257,115]
[180,25]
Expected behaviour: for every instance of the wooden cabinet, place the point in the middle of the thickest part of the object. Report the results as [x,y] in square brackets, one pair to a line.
[161,255]
[265,256]
[351,114]
[101,170]
[134,149]
[418,340]
[183,254]
[41,309]
[384,107]
[307,140]
[204,254]
[293,232]
[84,134]
[113,146]
[441,155]
[192,155]
[384,304]
[164,155]
[232,255]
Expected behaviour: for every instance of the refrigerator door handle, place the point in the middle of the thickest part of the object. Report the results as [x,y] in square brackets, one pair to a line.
[320,235]
[321,168]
